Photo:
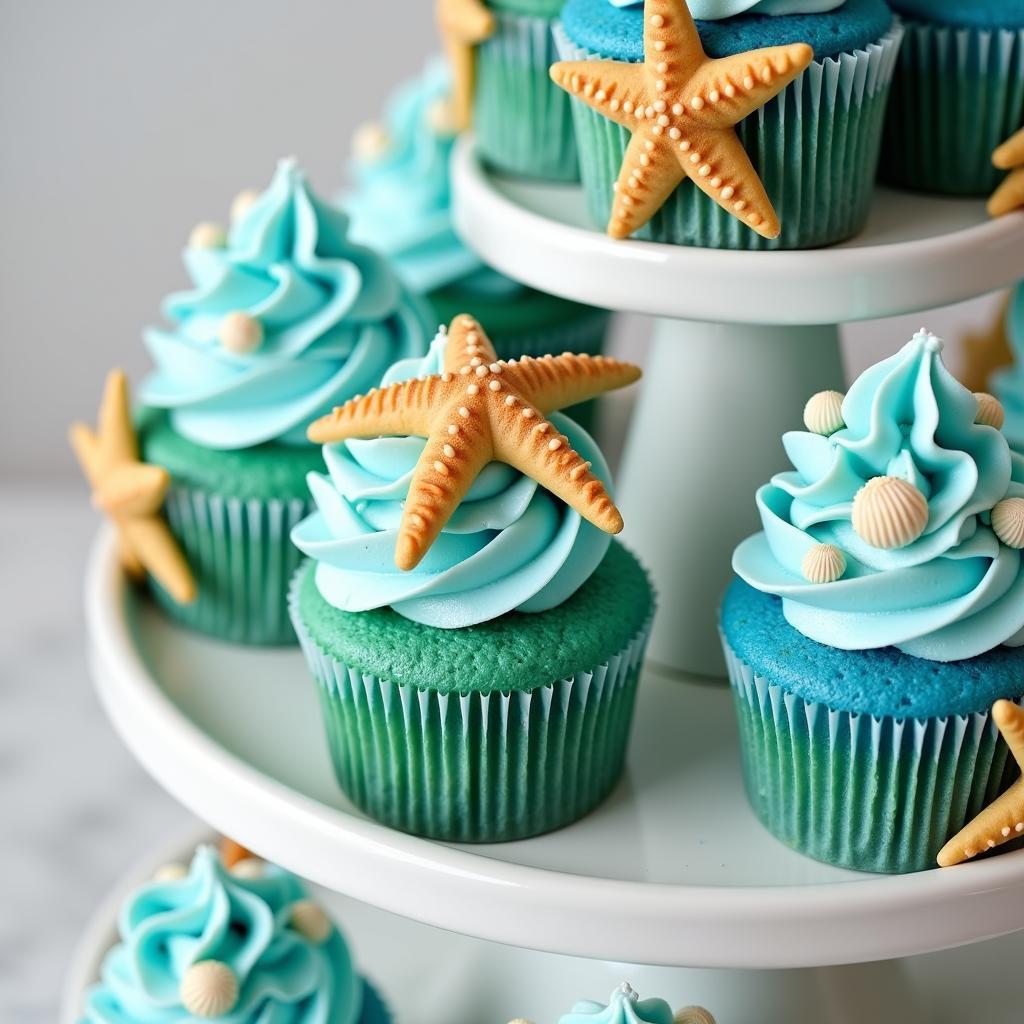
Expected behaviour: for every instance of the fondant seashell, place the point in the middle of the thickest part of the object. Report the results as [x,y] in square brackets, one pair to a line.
[207,235]
[823,413]
[309,920]
[889,512]
[370,142]
[208,989]
[823,563]
[243,203]
[240,333]
[170,873]
[990,410]
[248,867]
[441,118]
[693,1015]
[520,1020]
[1008,522]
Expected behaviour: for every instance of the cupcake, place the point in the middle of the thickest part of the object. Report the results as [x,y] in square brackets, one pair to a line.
[1008,382]
[957,95]
[474,633]
[878,617]
[624,1006]
[246,946]
[287,317]
[780,149]
[401,204]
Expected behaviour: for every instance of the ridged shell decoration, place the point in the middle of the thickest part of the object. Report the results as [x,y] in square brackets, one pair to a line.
[371,142]
[693,1015]
[520,1020]
[170,873]
[243,203]
[823,413]
[889,512]
[990,411]
[1008,522]
[208,989]
[823,563]
[248,867]
[309,920]
[240,333]
[207,235]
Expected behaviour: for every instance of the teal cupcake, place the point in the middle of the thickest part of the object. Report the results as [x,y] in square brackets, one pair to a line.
[878,617]
[475,641]
[625,1006]
[205,943]
[1008,383]
[814,146]
[957,95]
[287,318]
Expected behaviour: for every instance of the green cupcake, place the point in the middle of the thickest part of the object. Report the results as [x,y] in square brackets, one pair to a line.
[483,691]
[287,318]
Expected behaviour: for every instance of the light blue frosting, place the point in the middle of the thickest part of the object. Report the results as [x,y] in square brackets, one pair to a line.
[165,927]
[954,593]
[509,546]
[402,202]
[1009,383]
[623,1007]
[334,317]
[717,10]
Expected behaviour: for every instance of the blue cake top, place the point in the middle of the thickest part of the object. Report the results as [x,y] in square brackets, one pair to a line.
[964,13]
[617,32]
[882,682]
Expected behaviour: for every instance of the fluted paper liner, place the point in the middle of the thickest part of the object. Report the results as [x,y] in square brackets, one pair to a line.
[815,146]
[957,94]
[522,120]
[241,554]
[472,767]
[878,794]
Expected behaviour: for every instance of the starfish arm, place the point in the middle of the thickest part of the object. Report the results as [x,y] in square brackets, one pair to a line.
[86,447]
[1009,196]
[720,167]
[133,489]
[671,39]
[613,88]
[133,568]
[556,382]
[149,539]
[116,433]
[468,21]
[402,408]
[1009,717]
[442,478]
[649,175]
[1011,153]
[462,59]
[467,341]
[997,824]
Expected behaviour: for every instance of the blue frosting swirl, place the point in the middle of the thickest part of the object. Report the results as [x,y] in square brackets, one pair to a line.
[623,1007]
[509,546]
[1009,383]
[716,10]
[955,592]
[211,914]
[334,317]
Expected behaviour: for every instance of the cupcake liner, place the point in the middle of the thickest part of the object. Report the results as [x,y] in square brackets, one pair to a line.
[957,94]
[815,146]
[375,1010]
[877,794]
[522,120]
[242,557]
[471,767]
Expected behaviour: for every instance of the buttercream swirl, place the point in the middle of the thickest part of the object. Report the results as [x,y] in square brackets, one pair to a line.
[509,546]
[955,592]
[717,10]
[245,923]
[332,314]
[1009,383]
[623,1007]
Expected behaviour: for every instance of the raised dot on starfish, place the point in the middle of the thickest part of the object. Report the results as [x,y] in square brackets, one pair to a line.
[496,424]
[689,101]
[1010,194]
[463,25]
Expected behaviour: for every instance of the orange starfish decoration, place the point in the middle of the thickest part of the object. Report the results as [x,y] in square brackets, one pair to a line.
[478,410]
[464,24]
[1010,194]
[132,493]
[1003,820]
[682,108]
[985,352]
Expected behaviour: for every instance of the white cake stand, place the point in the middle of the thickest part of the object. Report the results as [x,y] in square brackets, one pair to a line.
[742,341]
[672,871]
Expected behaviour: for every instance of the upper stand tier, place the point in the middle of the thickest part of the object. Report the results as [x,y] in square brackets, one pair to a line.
[917,252]
[672,869]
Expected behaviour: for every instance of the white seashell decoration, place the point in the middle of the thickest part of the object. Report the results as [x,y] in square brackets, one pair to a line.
[371,141]
[823,413]
[248,867]
[693,1015]
[889,512]
[309,920]
[823,563]
[240,333]
[243,203]
[990,410]
[207,235]
[208,989]
[170,873]
[1008,522]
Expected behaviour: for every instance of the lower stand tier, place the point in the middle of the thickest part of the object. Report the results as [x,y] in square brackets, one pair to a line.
[714,403]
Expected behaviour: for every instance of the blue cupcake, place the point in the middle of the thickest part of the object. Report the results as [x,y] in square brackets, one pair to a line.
[878,617]
[815,145]
[625,1006]
[1009,383]
[246,946]
[957,95]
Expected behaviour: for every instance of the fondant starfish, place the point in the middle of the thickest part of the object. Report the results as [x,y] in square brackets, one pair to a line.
[1003,820]
[1010,194]
[985,352]
[478,410]
[132,493]
[464,24]
[682,108]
